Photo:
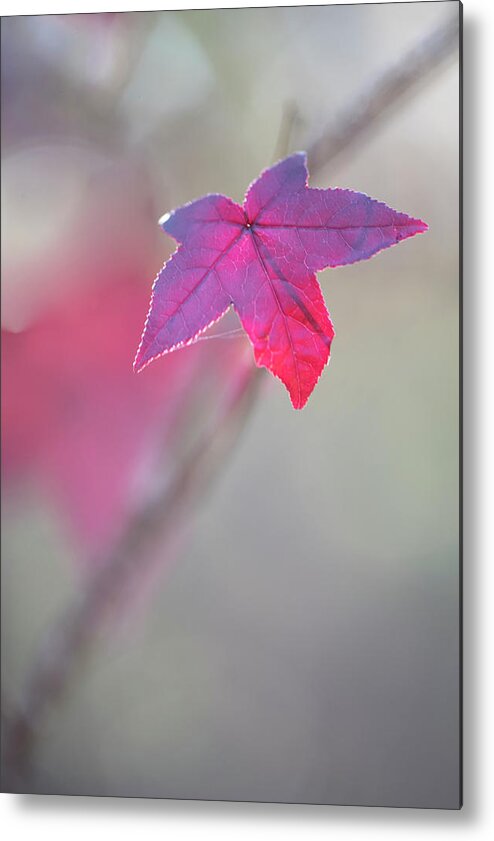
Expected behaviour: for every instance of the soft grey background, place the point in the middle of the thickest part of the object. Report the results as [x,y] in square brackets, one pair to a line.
[305,646]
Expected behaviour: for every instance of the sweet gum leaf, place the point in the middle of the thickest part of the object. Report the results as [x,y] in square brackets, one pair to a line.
[261,259]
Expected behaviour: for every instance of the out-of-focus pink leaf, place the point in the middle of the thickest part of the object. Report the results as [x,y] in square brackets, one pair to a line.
[79,425]
[261,259]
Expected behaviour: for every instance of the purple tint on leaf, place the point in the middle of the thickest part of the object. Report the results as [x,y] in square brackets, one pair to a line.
[261,259]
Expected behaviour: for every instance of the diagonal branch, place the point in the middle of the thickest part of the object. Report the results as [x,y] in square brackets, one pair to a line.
[370,109]
[73,634]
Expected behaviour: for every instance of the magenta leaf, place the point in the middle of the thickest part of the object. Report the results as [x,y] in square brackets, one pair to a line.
[261,259]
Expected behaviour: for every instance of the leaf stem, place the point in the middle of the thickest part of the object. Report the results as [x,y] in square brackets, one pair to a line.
[72,636]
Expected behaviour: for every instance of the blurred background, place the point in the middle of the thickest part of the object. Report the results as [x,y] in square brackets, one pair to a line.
[287,629]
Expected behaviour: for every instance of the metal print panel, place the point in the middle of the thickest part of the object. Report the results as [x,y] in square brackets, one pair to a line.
[231,534]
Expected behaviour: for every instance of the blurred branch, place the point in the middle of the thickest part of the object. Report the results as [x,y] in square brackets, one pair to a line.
[74,633]
[374,105]
[72,636]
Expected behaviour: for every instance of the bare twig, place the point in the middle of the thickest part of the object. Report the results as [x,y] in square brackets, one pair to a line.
[73,634]
[368,111]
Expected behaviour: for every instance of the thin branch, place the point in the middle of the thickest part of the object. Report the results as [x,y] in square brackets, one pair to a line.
[73,634]
[370,109]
